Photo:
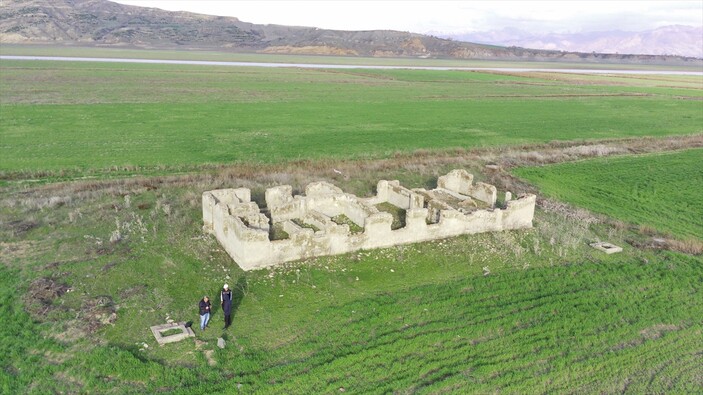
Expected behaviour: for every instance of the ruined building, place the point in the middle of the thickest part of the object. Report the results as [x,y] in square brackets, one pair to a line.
[327,221]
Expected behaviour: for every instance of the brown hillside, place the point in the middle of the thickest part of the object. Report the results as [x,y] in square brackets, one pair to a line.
[103,23]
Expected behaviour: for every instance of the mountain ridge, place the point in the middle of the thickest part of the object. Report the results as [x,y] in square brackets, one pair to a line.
[107,24]
[675,40]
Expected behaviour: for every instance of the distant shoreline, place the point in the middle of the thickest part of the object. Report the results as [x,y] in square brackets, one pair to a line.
[344,66]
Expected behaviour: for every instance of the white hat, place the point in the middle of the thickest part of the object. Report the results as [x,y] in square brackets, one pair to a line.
[226,286]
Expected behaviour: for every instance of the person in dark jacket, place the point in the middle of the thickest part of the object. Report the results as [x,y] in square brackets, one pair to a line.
[226,301]
[204,312]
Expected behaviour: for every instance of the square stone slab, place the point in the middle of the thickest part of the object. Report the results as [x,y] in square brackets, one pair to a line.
[158,331]
[608,248]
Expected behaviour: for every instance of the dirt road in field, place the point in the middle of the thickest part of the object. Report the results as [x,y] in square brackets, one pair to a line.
[344,66]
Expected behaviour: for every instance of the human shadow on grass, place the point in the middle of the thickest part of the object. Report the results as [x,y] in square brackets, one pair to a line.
[238,293]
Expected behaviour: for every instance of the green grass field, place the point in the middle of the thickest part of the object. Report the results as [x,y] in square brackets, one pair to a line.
[662,191]
[531,311]
[570,328]
[83,117]
[553,314]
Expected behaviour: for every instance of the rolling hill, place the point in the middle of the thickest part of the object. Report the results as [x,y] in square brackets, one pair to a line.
[107,24]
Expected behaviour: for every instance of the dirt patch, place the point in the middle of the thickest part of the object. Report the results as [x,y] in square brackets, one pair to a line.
[19,228]
[133,291]
[104,250]
[57,264]
[656,331]
[299,173]
[56,358]
[659,242]
[568,95]
[696,98]
[652,333]
[687,246]
[209,356]
[310,50]
[42,293]
[109,266]
[71,334]
[98,312]
[16,250]
[628,344]
[92,315]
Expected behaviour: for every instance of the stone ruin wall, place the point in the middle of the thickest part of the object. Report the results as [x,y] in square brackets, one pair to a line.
[457,206]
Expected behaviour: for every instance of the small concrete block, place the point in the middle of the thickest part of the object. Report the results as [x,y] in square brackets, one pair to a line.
[158,331]
[220,342]
[608,248]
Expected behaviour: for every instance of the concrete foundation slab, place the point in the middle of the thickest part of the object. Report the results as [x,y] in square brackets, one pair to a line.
[180,332]
[608,248]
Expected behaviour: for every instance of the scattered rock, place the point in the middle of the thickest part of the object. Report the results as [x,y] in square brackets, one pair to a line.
[220,342]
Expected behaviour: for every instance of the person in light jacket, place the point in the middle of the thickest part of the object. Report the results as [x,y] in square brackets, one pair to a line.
[226,301]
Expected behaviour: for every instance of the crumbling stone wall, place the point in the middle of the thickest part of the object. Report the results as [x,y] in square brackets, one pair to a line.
[452,209]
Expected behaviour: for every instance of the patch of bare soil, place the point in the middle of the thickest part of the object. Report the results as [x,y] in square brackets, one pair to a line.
[572,95]
[209,356]
[90,317]
[656,331]
[659,242]
[133,291]
[310,50]
[42,293]
[15,250]
[18,228]
[72,333]
[98,312]
[695,98]
[300,173]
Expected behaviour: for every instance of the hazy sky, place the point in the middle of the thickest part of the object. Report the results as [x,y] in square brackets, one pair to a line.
[450,16]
